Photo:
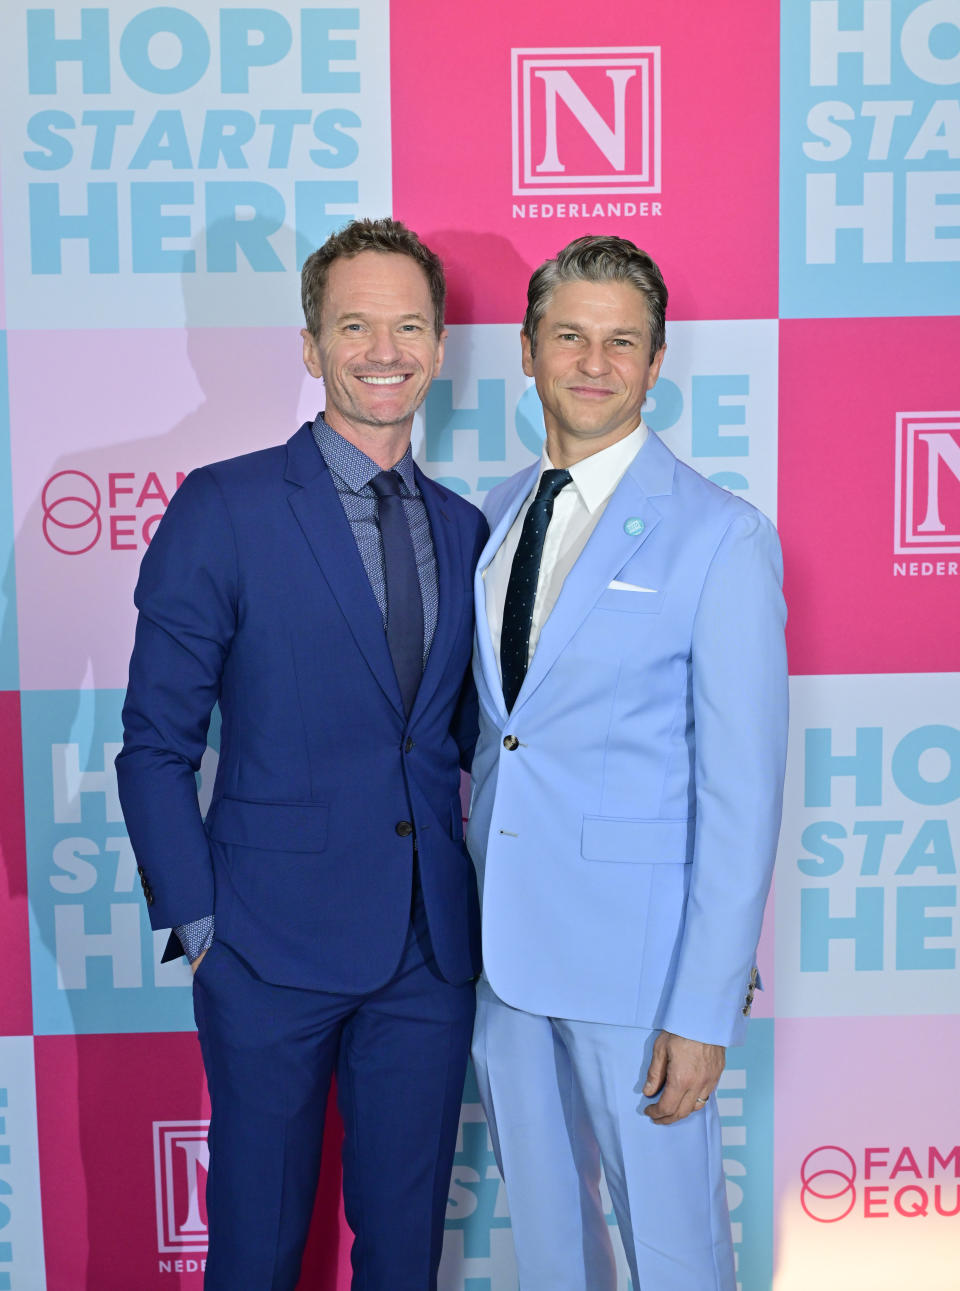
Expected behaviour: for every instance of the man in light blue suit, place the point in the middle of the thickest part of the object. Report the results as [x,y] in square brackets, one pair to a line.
[632,677]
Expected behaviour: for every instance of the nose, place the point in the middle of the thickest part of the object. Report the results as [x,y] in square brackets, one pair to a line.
[382,346]
[593,360]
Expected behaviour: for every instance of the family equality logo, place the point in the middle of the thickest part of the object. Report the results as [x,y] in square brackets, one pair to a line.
[913,1183]
[927,493]
[586,124]
[74,518]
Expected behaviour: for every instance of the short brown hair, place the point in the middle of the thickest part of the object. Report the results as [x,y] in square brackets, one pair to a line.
[389,237]
[600,259]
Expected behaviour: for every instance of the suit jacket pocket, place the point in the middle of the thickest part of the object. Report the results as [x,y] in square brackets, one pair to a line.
[649,842]
[269,826]
[618,598]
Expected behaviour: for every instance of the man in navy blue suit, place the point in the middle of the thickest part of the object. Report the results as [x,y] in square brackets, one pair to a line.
[321,592]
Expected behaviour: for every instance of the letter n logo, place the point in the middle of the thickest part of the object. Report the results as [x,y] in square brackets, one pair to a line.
[928,483]
[586,121]
[180,1161]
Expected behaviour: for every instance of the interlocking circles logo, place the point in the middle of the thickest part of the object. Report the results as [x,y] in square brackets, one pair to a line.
[124,513]
[828,1177]
[71,503]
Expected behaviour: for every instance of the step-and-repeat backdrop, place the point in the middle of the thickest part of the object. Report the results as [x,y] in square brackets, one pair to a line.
[795,169]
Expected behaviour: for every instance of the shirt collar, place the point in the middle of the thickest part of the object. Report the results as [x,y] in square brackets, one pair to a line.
[595,477]
[352,465]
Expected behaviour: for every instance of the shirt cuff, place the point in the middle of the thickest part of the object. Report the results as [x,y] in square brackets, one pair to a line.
[195,937]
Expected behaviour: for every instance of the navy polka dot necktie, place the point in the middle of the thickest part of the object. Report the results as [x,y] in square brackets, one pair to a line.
[404,602]
[522,587]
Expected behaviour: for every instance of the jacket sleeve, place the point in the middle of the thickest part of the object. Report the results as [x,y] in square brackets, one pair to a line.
[740,698]
[187,596]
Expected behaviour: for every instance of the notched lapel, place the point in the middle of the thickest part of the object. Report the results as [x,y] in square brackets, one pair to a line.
[499,528]
[453,586]
[628,520]
[319,512]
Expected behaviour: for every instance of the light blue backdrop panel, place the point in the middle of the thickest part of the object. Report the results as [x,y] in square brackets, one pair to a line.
[869,175]
[95,960]
[746,1117]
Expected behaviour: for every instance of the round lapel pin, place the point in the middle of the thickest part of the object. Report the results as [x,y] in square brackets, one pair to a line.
[633,526]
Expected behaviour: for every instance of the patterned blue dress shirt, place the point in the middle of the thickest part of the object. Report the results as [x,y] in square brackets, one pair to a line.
[352,471]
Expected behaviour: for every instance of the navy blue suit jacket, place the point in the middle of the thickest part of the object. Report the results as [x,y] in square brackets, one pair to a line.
[252,593]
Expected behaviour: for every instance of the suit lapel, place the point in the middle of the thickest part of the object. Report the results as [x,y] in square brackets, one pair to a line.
[319,512]
[521,485]
[628,520]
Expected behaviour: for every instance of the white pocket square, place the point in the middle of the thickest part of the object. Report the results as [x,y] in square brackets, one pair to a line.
[617,586]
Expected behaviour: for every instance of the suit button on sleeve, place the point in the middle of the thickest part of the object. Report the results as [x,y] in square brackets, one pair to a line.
[511,742]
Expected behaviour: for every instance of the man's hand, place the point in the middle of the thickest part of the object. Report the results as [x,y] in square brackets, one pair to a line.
[685,1072]
[195,964]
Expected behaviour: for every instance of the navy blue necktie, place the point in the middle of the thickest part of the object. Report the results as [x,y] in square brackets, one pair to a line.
[522,587]
[404,603]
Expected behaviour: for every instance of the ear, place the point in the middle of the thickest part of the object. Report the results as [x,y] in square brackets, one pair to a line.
[311,355]
[441,349]
[654,370]
[526,352]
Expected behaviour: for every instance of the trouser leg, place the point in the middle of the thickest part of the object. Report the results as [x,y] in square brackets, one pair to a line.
[666,1181]
[269,1052]
[545,1148]
[400,1082]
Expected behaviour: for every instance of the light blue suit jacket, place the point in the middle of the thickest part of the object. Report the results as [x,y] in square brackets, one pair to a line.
[625,847]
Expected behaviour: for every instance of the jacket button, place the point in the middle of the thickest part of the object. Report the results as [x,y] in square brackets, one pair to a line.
[511,742]
[404,828]
[408,747]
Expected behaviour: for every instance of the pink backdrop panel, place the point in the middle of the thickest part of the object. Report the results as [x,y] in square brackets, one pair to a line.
[98,1097]
[857,605]
[866,1169]
[114,1112]
[92,475]
[16,1017]
[712,221]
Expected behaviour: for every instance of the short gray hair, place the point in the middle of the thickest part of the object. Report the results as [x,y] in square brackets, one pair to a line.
[600,259]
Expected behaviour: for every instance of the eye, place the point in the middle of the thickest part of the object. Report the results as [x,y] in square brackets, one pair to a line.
[624,342]
[569,336]
[411,327]
[353,327]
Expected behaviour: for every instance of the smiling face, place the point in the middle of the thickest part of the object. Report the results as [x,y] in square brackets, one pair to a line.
[592,366]
[377,349]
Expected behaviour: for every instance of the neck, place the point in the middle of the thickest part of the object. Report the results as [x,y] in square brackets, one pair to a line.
[565,450]
[384,445]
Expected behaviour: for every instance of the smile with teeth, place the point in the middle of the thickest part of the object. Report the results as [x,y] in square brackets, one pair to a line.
[383,381]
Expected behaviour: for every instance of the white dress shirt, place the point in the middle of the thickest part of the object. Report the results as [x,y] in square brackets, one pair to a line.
[576,510]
